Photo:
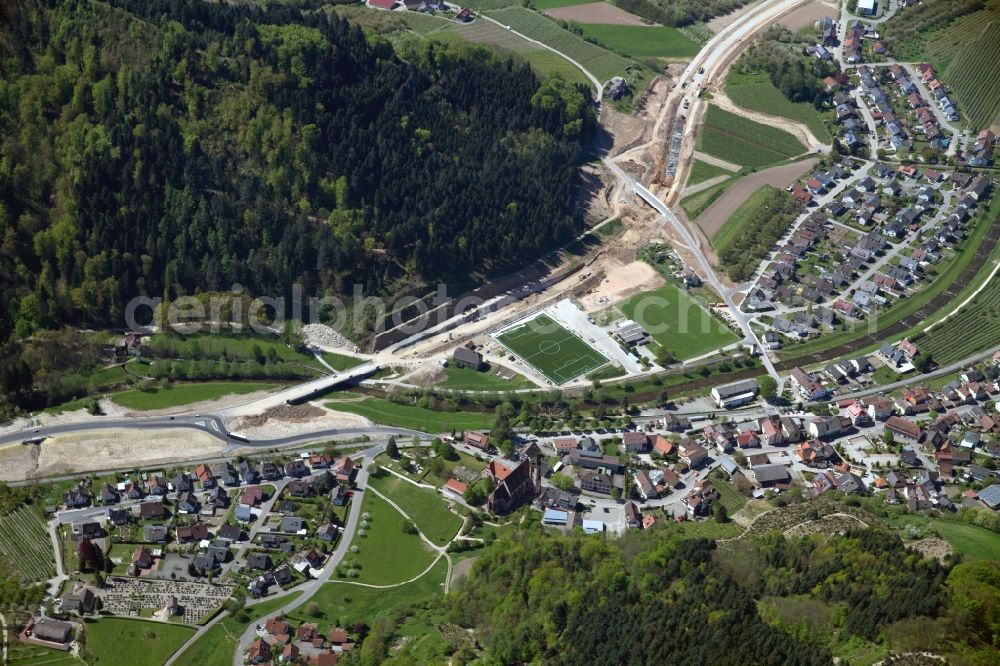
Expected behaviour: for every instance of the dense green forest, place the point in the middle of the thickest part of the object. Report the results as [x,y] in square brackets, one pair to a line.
[652,598]
[679,12]
[170,147]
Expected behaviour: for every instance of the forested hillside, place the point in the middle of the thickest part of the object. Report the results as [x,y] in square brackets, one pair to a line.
[167,147]
[647,598]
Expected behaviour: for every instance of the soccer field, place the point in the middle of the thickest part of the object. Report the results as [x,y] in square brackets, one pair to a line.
[551,349]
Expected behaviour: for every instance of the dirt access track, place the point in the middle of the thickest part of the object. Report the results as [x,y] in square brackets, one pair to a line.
[732,199]
[595,12]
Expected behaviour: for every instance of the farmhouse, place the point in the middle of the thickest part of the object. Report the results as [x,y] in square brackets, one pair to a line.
[464,357]
[54,631]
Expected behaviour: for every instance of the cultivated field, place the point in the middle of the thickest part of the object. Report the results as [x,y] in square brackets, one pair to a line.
[697,203]
[602,63]
[593,12]
[974,328]
[677,322]
[551,350]
[21,654]
[646,41]
[755,92]
[972,76]
[543,5]
[743,141]
[716,216]
[26,545]
[806,15]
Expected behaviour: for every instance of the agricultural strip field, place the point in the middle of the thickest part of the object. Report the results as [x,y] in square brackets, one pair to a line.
[735,224]
[702,171]
[551,349]
[22,654]
[424,506]
[603,64]
[754,91]
[642,41]
[742,141]
[688,329]
[543,61]
[972,76]
[390,413]
[26,544]
[973,328]
[542,5]
[698,203]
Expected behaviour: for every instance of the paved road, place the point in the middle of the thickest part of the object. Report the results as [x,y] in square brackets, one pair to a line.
[309,588]
[210,424]
[724,292]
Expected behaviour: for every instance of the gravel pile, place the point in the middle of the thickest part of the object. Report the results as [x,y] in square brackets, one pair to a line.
[322,335]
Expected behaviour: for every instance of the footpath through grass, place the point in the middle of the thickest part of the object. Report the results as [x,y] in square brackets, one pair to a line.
[413,417]
[216,646]
[118,641]
[742,141]
[386,554]
[183,394]
[426,507]
[349,604]
[600,62]
[677,322]
[754,91]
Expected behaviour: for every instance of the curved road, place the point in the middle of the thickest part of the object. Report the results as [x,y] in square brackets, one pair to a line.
[207,423]
[309,588]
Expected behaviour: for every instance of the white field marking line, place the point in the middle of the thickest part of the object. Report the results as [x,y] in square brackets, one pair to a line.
[587,362]
[966,301]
